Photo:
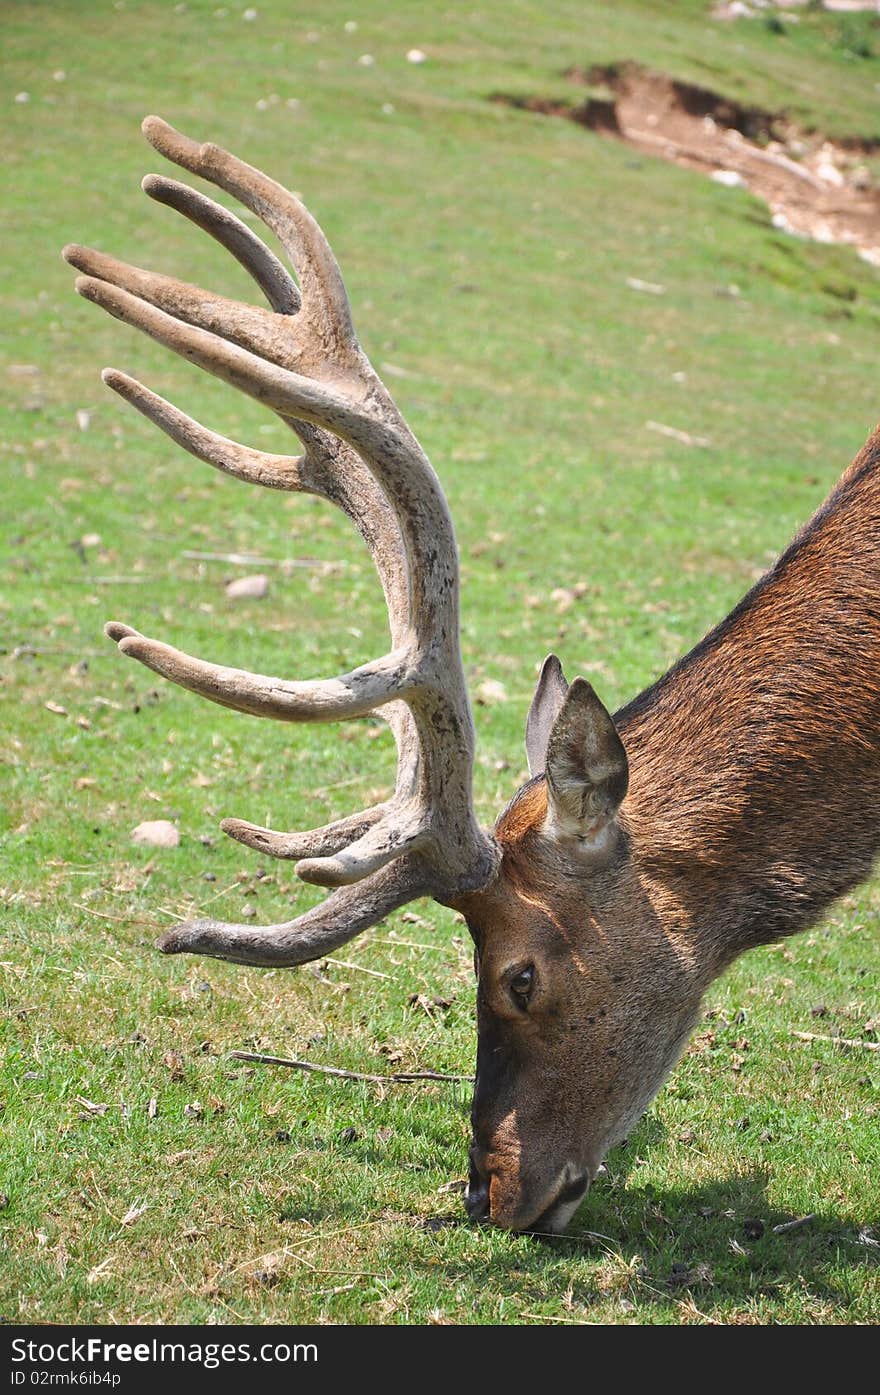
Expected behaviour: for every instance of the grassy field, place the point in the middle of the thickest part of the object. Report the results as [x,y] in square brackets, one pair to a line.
[487,252]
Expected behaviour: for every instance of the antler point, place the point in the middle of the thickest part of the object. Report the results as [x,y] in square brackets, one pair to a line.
[117,630]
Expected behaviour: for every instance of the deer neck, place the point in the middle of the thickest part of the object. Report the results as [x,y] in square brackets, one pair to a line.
[755,762]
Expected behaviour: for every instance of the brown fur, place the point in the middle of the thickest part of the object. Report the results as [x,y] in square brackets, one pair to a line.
[753,802]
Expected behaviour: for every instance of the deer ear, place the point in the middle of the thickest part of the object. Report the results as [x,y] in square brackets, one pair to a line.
[549,696]
[587,770]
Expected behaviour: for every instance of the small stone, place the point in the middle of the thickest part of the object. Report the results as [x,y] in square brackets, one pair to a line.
[366,60]
[729,178]
[173,1063]
[636,283]
[252,588]
[415,55]
[489,692]
[22,97]
[156,833]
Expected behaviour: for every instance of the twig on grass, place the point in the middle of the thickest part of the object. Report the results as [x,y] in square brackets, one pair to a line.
[401,1078]
[581,1235]
[132,919]
[345,964]
[568,1322]
[785,1226]
[247,559]
[404,944]
[838,1041]
[109,580]
[197,1293]
[674,434]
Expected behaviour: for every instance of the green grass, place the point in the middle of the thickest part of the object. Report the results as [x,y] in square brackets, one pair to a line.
[486,251]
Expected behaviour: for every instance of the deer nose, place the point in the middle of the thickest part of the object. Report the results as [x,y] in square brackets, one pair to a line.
[476,1198]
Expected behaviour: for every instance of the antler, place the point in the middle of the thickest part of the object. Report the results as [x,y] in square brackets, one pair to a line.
[302,359]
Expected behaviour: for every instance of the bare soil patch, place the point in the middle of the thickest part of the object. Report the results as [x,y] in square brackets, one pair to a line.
[814,187]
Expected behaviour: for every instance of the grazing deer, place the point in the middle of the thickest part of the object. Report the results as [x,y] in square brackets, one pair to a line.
[726,806]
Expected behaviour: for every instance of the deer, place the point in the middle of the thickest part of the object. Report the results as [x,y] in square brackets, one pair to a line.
[727,806]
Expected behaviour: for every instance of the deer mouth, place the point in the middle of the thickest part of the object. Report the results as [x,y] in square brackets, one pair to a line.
[571,1190]
[555,1217]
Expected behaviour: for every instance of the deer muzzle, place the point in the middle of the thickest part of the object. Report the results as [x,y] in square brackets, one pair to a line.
[505,1201]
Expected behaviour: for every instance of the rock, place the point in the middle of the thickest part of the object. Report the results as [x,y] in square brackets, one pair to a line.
[635,283]
[729,178]
[250,588]
[156,833]
[490,692]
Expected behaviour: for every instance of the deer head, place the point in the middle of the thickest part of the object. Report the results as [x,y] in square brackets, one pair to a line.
[635,863]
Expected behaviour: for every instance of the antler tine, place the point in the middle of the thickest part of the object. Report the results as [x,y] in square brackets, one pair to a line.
[338,919]
[354,694]
[317,842]
[303,360]
[274,280]
[289,472]
[250,326]
[324,295]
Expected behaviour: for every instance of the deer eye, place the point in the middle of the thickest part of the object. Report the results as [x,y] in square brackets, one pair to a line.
[521,986]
